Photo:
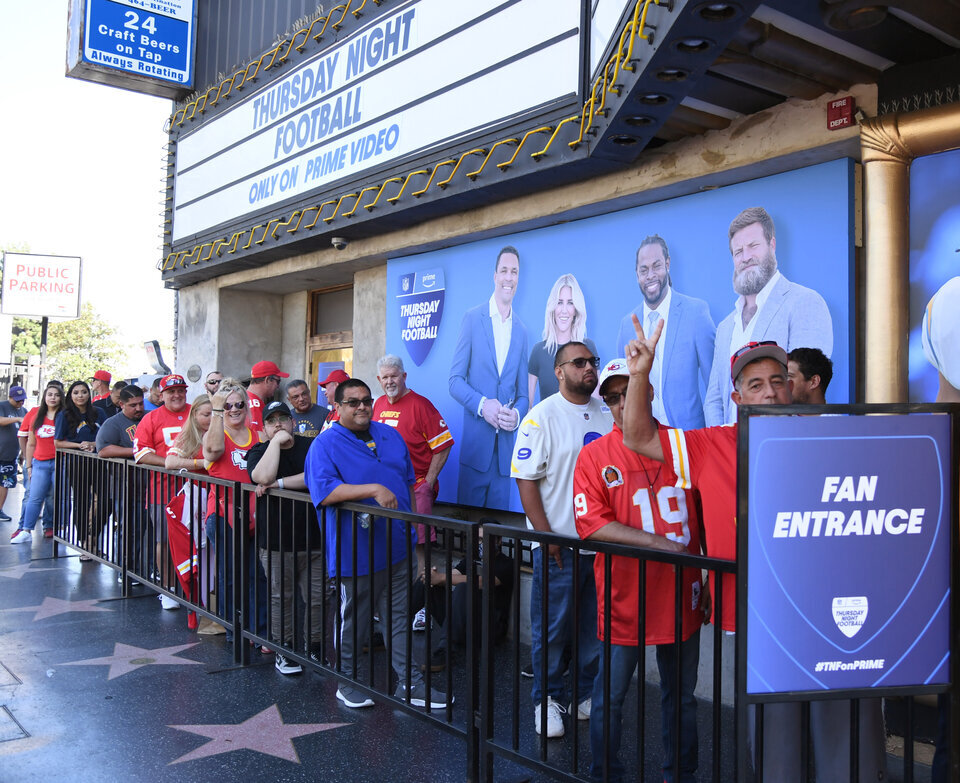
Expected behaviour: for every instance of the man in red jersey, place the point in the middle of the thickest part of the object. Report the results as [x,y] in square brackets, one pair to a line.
[154,437]
[707,459]
[100,385]
[421,427]
[265,379]
[329,386]
[624,498]
[428,440]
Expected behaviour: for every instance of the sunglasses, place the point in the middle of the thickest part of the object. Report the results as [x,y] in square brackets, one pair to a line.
[749,347]
[229,406]
[214,382]
[356,402]
[613,398]
[581,361]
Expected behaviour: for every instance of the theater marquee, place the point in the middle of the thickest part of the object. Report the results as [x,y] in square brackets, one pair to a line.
[428,75]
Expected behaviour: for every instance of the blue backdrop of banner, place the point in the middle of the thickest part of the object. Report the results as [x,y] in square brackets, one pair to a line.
[848,552]
[428,295]
[934,252]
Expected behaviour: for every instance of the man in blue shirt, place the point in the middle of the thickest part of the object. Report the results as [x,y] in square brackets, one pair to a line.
[361,461]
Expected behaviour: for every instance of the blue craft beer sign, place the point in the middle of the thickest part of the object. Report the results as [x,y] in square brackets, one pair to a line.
[148,38]
[849,552]
[420,304]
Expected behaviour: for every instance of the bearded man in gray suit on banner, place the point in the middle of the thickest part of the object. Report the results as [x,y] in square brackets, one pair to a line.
[769,307]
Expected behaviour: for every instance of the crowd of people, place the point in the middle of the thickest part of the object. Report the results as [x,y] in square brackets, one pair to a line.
[591,462]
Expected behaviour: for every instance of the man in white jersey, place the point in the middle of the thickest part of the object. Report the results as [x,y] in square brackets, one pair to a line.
[549,439]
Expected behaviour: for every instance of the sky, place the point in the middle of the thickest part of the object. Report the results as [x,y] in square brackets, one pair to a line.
[82,173]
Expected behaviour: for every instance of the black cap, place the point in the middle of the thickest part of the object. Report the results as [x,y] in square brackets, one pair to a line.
[276,407]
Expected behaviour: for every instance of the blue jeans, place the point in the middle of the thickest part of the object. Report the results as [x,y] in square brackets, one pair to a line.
[216,530]
[623,661]
[560,624]
[47,508]
[41,485]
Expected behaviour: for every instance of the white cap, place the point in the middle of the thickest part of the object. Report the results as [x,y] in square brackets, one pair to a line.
[611,369]
[941,331]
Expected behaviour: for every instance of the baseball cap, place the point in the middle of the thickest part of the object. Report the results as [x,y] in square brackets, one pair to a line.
[612,369]
[767,349]
[336,375]
[266,369]
[172,382]
[102,375]
[17,393]
[276,408]
[940,333]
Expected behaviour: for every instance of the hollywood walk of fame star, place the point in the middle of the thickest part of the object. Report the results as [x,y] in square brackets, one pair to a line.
[16,572]
[127,658]
[265,732]
[54,606]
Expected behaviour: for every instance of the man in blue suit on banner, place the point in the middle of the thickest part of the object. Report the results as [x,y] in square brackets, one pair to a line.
[769,307]
[488,378]
[687,338]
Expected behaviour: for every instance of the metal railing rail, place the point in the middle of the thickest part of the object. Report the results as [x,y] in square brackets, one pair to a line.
[108,509]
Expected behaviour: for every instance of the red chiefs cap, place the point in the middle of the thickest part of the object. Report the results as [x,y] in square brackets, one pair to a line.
[266,369]
[767,349]
[336,375]
[172,382]
[102,375]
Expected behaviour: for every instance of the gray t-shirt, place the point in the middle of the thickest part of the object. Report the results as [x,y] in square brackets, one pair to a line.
[310,423]
[116,431]
[9,445]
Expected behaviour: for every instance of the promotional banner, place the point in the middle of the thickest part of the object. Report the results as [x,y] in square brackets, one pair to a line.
[934,260]
[848,580]
[583,279]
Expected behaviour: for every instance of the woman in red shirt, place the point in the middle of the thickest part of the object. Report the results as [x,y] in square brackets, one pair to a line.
[225,447]
[40,460]
[187,451]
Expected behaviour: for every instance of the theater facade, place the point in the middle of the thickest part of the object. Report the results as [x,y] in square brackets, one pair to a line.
[342,183]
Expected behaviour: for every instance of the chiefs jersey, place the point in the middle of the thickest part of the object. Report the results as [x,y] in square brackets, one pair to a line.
[611,483]
[419,424]
[707,459]
[255,406]
[156,434]
[232,465]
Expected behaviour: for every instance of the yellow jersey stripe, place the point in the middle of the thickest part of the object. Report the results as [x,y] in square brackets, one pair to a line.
[681,460]
[443,437]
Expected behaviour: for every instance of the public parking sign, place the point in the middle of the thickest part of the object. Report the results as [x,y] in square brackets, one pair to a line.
[848,552]
[139,42]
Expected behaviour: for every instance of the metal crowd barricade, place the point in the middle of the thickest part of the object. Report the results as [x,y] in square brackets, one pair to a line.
[504,693]
[113,511]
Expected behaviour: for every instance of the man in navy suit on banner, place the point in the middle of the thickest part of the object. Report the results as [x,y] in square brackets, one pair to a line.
[488,378]
[769,307]
[687,338]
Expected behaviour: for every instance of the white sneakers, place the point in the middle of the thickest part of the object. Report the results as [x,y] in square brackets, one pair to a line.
[555,715]
[22,537]
[168,603]
[583,708]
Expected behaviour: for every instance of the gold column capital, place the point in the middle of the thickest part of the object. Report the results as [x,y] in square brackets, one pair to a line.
[881,141]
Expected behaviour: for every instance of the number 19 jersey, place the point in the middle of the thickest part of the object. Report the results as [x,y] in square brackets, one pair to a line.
[611,483]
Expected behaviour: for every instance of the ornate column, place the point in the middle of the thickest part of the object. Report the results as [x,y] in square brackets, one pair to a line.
[889,144]
[886,173]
